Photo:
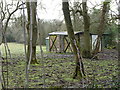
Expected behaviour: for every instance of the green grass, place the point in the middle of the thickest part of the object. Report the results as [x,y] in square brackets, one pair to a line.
[18,49]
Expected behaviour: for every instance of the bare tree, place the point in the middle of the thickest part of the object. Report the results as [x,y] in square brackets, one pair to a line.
[5,16]
[86,18]
[119,38]
[32,13]
[79,70]
[101,27]
[42,54]
[1,66]
[83,11]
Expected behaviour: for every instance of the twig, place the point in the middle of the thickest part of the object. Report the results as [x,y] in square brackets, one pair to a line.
[26,70]
[41,52]
[10,14]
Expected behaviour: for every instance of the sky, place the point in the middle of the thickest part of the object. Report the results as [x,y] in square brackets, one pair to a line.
[52,9]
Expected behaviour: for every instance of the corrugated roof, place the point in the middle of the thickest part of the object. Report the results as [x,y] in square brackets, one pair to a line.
[77,32]
[47,38]
[63,33]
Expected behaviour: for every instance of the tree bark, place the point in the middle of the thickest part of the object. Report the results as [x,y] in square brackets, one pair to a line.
[28,30]
[34,31]
[1,72]
[79,70]
[101,28]
[1,31]
[86,18]
[119,40]
[34,36]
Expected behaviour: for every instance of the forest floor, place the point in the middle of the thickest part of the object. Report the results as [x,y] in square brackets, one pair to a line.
[105,54]
[56,71]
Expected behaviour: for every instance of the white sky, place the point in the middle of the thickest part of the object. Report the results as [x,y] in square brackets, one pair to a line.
[53,8]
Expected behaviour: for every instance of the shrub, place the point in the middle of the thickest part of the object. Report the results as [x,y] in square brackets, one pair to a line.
[10,38]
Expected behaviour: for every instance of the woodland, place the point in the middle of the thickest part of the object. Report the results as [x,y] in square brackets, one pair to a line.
[25,61]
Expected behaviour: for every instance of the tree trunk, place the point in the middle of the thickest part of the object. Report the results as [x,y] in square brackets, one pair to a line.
[32,13]
[119,40]
[75,16]
[101,28]
[1,31]
[28,30]
[79,65]
[34,36]
[87,44]
[1,72]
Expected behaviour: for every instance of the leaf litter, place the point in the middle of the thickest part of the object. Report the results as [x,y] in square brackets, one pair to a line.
[59,69]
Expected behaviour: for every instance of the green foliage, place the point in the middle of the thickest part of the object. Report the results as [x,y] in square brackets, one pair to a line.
[46,27]
[106,2]
[111,28]
[111,47]
[94,15]
[10,38]
[15,30]
[112,37]
[116,82]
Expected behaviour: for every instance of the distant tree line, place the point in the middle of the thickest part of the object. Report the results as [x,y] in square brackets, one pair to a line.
[15,29]
[15,32]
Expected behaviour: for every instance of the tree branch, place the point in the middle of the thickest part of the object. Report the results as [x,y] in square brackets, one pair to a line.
[10,14]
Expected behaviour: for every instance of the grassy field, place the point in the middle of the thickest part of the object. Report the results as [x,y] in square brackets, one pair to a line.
[58,71]
[18,49]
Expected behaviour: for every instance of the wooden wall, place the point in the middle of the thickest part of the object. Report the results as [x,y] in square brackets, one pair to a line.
[61,43]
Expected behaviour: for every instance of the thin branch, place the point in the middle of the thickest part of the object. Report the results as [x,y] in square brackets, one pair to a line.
[25,48]
[117,2]
[2,12]
[10,14]
[114,12]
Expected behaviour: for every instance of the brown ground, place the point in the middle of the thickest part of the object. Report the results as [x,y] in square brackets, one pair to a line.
[106,54]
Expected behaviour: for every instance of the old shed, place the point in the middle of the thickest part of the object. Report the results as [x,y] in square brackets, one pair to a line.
[59,41]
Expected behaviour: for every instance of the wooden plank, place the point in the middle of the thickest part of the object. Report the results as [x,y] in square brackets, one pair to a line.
[61,44]
[53,43]
[68,45]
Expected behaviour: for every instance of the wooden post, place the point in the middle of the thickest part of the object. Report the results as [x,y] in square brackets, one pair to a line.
[61,44]
[49,43]
[53,43]
[68,45]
